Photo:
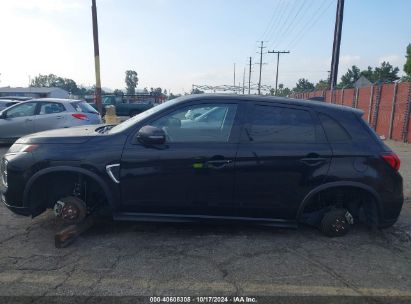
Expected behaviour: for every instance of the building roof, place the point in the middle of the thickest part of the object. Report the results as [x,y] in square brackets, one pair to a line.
[40,90]
[362,82]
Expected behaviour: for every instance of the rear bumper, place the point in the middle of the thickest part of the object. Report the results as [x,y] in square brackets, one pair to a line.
[391,212]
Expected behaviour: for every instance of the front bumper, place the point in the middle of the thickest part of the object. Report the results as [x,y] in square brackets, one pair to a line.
[18,210]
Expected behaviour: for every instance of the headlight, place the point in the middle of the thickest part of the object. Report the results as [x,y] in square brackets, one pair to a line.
[22,148]
[3,169]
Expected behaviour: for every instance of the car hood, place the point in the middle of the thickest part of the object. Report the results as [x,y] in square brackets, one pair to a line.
[75,135]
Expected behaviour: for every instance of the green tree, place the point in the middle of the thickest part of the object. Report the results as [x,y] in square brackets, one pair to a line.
[303,85]
[348,79]
[368,73]
[322,85]
[386,73]
[172,96]
[196,91]
[118,92]
[52,80]
[282,91]
[131,81]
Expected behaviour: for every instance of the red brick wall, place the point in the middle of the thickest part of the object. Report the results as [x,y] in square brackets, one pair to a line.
[384,113]
[348,97]
[380,120]
[364,95]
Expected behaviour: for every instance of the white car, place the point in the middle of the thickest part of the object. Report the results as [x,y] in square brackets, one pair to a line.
[38,115]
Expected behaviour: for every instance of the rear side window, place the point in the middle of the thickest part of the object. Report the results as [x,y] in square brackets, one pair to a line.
[82,106]
[51,108]
[281,125]
[333,130]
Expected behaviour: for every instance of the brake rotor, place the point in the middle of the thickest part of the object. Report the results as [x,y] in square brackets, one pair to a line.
[71,209]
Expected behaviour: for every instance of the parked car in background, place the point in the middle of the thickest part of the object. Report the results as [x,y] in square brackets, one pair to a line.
[44,114]
[123,108]
[273,161]
[16,98]
[5,103]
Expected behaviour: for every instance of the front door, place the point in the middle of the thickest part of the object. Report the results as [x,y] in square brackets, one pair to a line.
[18,121]
[283,155]
[193,173]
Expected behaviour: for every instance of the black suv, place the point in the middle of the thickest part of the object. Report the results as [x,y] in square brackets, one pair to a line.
[272,161]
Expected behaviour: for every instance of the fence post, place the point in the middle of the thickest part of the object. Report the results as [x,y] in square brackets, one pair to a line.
[394,101]
[377,107]
[355,99]
[370,105]
[407,116]
[342,97]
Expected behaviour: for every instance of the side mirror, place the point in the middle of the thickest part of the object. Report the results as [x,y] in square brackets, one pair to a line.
[150,135]
[3,115]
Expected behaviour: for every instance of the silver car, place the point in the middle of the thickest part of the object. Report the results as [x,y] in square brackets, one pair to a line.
[38,115]
[5,103]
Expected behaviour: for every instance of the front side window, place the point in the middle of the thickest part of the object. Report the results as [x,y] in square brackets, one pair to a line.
[51,108]
[199,123]
[22,110]
[281,125]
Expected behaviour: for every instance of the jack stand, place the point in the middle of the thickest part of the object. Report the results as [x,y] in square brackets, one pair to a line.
[69,234]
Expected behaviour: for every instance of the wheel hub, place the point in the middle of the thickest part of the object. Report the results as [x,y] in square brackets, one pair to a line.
[339,225]
[70,209]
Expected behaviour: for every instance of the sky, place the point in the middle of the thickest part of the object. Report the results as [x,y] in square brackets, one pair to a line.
[174,44]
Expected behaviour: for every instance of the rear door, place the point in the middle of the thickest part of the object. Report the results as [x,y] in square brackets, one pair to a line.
[50,115]
[283,155]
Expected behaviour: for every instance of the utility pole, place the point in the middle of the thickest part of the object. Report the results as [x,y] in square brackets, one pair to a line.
[249,79]
[234,75]
[243,80]
[278,63]
[261,66]
[336,44]
[96,56]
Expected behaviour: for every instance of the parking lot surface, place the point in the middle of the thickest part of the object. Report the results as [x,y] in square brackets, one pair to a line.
[119,258]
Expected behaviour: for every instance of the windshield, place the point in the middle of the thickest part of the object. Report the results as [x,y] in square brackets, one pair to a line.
[135,119]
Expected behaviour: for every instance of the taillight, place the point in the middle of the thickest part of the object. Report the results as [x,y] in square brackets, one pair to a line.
[393,160]
[80,116]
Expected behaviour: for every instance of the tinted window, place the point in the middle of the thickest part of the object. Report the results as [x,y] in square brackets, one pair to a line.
[200,123]
[82,106]
[22,110]
[333,130]
[51,108]
[281,125]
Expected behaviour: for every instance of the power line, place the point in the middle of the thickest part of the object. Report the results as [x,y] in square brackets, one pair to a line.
[273,19]
[277,22]
[291,24]
[307,27]
[284,21]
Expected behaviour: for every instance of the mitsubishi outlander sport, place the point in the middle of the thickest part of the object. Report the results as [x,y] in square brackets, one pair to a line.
[266,160]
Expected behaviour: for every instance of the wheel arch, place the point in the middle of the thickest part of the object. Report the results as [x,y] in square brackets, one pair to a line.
[340,184]
[61,169]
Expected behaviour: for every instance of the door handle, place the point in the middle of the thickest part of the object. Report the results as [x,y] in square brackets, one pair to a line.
[59,117]
[313,161]
[218,164]
[29,119]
